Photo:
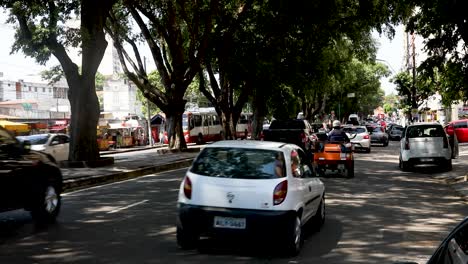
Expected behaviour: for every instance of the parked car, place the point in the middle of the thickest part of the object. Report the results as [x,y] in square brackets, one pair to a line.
[261,189]
[360,137]
[29,180]
[379,136]
[293,131]
[56,145]
[460,128]
[395,132]
[425,143]
[453,249]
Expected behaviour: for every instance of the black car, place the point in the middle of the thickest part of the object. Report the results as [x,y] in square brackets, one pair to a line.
[395,132]
[29,180]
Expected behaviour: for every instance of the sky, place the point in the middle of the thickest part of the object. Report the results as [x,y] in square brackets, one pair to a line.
[17,66]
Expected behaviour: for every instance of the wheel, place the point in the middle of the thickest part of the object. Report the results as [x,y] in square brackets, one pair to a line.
[186,239]
[385,144]
[368,150]
[293,240]
[404,165]
[200,139]
[319,218]
[47,206]
[448,165]
[350,170]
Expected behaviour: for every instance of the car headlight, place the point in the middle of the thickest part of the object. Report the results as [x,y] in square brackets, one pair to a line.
[38,147]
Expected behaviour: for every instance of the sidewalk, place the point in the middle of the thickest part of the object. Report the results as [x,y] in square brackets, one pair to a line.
[128,165]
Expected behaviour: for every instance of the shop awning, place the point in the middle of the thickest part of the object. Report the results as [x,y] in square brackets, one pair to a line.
[57,127]
[13,126]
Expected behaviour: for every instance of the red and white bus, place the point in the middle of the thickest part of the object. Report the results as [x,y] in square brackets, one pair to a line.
[204,124]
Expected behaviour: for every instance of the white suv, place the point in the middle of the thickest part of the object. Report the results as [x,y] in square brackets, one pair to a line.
[258,188]
[425,143]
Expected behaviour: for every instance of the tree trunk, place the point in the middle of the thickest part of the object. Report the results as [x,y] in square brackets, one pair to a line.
[175,132]
[84,119]
[226,123]
[259,105]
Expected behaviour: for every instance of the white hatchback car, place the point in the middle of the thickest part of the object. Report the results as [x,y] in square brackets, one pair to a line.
[56,145]
[425,143]
[259,188]
[359,136]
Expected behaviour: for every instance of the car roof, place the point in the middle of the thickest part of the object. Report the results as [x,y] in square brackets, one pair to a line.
[249,144]
[425,124]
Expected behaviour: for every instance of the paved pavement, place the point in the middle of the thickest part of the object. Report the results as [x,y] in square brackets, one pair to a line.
[138,161]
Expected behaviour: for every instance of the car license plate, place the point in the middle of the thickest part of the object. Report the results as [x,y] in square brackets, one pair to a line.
[427,160]
[229,222]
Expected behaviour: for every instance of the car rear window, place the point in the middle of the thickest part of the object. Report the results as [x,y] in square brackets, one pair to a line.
[378,129]
[398,128]
[287,124]
[354,130]
[425,131]
[239,163]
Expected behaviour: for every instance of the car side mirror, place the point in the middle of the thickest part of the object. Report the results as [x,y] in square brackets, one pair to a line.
[308,173]
[26,145]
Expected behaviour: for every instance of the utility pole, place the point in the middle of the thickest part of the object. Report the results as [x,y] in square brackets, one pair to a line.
[150,136]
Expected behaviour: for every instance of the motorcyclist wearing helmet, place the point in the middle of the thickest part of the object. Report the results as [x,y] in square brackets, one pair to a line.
[337,134]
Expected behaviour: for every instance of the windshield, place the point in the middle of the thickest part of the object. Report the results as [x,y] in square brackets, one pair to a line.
[237,163]
[287,124]
[36,139]
[354,130]
[185,122]
[425,131]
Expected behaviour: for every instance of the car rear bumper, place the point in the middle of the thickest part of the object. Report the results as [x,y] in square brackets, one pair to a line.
[428,160]
[200,219]
[365,144]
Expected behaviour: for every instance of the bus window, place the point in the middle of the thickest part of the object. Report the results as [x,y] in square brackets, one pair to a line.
[216,120]
[206,120]
[197,120]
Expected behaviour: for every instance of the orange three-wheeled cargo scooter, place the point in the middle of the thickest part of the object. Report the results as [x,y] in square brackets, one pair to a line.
[336,157]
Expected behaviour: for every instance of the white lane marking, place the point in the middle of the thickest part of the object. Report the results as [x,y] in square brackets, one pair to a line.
[126,207]
[120,182]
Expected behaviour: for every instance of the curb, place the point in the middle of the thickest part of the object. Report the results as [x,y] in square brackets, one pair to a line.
[90,181]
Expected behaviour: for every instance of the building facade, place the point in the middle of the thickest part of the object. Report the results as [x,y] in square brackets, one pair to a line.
[120,98]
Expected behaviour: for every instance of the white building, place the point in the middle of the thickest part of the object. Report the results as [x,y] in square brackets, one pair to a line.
[120,98]
[34,99]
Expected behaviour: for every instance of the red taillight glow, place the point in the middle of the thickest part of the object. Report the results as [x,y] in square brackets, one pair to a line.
[188,187]
[407,146]
[280,192]
[303,137]
[366,137]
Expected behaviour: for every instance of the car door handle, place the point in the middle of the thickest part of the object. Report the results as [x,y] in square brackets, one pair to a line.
[310,189]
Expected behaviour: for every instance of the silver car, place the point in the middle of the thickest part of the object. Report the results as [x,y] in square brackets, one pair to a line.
[359,136]
[425,143]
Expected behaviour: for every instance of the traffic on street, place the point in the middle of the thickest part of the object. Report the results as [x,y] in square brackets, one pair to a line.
[382,215]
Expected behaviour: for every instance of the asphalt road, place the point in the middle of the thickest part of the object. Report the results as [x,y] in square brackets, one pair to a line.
[383,215]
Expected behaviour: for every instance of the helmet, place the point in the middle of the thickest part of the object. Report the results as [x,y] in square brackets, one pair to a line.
[336,123]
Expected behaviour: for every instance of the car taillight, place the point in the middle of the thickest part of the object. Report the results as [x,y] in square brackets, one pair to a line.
[407,146]
[303,137]
[280,192]
[188,187]
[445,142]
[366,137]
